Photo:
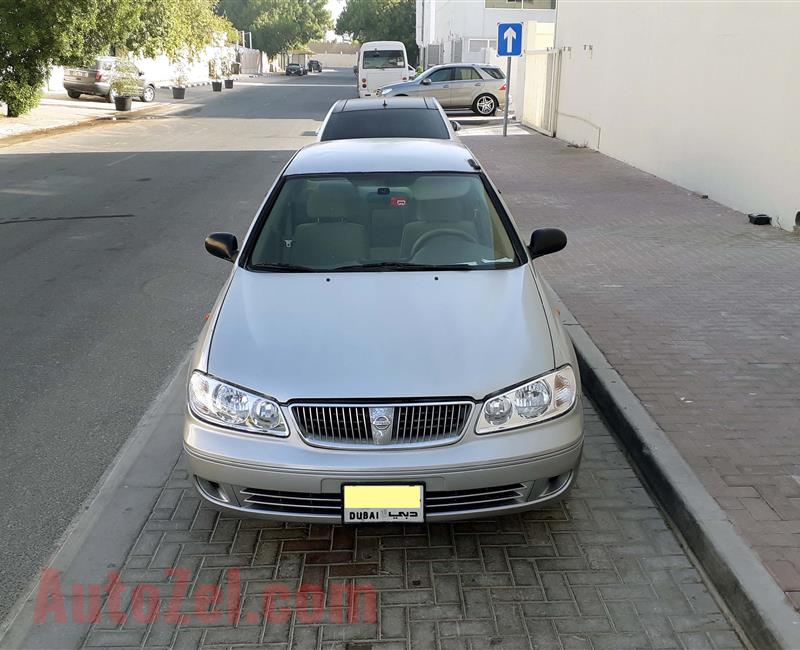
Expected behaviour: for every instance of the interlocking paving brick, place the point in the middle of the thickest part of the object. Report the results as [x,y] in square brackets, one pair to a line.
[599,570]
[693,306]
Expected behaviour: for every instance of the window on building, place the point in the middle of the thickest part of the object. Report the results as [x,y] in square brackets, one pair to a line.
[478,44]
[520,4]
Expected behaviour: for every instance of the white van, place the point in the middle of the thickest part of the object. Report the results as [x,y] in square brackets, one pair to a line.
[381,63]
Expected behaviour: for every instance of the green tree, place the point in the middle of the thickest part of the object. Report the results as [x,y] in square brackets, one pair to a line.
[278,25]
[35,34]
[177,28]
[381,20]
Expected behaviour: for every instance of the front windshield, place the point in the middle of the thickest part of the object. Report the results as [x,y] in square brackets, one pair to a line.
[389,221]
[378,59]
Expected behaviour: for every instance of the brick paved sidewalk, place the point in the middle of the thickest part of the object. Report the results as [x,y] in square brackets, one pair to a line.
[601,570]
[697,310]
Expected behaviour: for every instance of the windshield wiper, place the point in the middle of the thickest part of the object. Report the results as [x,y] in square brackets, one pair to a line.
[283,268]
[404,266]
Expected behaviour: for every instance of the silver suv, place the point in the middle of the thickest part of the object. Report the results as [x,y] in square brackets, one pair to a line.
[480,87]
[382,350]
[95,79]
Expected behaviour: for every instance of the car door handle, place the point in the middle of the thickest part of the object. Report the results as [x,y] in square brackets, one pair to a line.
[478,84]
[446,86]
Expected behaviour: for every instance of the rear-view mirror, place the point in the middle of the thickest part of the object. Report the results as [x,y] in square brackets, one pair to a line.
[426,82]
[456,126]
[547,240]
[222,245]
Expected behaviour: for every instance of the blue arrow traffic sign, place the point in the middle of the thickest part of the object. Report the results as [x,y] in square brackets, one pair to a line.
[509,39]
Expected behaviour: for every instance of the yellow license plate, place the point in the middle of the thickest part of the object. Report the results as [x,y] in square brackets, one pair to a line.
[364,504]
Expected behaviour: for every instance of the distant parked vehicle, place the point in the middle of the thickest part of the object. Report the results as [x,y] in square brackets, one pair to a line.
[381,63]
[477,86]
[96,78]
[398,117]
[295,70]
[314,66]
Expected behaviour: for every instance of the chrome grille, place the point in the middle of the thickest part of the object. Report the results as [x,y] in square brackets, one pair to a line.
[330,504]
[477,499]
[294,502]
[411,424]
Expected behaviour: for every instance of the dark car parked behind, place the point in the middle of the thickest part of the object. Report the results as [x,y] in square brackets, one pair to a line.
[295,69]
[95,79]
[314,66]
[396,117]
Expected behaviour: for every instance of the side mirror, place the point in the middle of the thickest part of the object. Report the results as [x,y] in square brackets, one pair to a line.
[222,245]
[545,241]
[456,126]
[426,81]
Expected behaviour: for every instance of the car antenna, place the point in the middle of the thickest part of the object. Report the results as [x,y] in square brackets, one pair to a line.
[384,103]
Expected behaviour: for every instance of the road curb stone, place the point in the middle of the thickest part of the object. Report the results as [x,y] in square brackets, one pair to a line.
[751,594]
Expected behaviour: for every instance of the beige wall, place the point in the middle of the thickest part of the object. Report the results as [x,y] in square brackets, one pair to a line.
[336,59]
[704,94]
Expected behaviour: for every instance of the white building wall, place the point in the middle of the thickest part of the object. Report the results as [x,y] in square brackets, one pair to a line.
[704,94]
[160,69]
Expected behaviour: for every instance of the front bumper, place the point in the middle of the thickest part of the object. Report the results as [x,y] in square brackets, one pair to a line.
[476,476]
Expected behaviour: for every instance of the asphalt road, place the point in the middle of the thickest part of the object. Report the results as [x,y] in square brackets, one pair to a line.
[104,282]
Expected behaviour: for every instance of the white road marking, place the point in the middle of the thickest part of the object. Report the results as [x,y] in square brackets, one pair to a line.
[116,162]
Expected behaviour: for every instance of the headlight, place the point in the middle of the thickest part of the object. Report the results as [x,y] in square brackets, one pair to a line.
[233,407]
[538,400]
[383,91]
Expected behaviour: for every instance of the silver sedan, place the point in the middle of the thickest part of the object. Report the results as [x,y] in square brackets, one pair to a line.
[480,87]
[382,350]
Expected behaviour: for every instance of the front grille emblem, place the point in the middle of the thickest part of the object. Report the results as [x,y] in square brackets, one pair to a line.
[381,420]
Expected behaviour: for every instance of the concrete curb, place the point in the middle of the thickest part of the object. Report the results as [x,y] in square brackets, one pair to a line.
[759,606]
[196,84]
[111,520]
[33,134]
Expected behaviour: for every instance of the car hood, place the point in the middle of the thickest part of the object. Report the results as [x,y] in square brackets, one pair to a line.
[401,85]
[381,334]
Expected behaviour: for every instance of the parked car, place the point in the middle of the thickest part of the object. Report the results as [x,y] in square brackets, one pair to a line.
[396,117]
[478,86]
[383,349]
[95,79]
[295,69]
[314,66]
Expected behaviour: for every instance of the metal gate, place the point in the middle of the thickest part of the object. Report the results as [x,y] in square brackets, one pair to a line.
[250,61]
[540,93]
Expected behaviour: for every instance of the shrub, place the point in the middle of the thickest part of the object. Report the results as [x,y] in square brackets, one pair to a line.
[21,89]
[181,76]
[125,79]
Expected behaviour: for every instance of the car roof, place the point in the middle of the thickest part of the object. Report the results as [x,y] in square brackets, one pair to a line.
[380,103]
[382,155]
[374,45]
[461,65]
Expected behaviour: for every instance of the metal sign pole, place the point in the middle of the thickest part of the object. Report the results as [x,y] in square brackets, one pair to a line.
[508,94]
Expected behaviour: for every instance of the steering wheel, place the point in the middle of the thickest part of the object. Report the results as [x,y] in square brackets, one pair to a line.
[441,232]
